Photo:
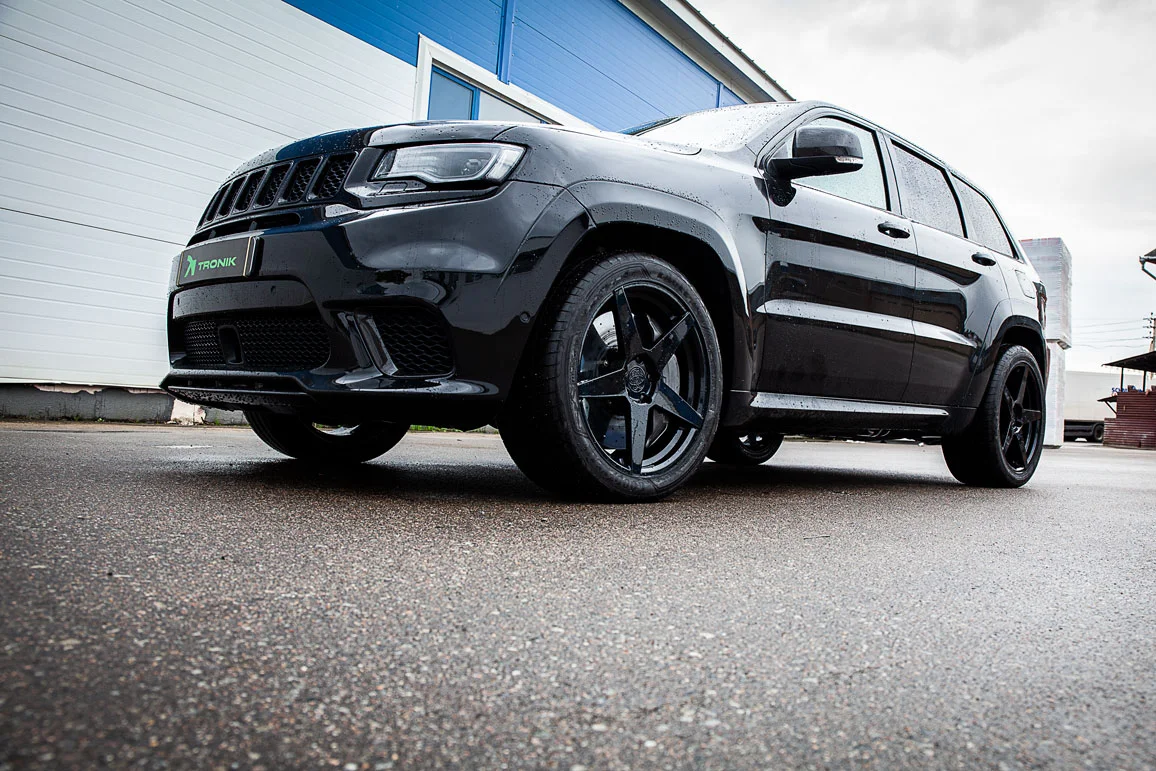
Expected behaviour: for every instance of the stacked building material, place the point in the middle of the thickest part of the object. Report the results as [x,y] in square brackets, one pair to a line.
[1052,260]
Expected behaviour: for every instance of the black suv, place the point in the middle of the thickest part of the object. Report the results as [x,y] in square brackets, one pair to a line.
[620,306]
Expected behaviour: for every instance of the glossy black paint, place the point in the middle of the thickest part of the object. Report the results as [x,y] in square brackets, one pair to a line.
[813,295]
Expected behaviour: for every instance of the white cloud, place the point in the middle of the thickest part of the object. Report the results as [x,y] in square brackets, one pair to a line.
[1050,107]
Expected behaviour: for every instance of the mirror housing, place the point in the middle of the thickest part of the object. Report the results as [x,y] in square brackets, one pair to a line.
[819,151]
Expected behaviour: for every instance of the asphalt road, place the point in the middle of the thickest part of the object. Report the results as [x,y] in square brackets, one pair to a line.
[181,597]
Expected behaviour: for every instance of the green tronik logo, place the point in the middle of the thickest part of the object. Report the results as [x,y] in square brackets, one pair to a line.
[192,264]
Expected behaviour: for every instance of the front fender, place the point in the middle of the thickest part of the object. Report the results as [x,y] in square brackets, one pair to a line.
[610,203]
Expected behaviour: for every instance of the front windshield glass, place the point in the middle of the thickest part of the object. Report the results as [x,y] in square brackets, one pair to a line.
[728,128]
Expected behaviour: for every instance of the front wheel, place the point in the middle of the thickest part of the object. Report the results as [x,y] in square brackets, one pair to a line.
[620,394]
[1003,444]
[744,446]
[299,438]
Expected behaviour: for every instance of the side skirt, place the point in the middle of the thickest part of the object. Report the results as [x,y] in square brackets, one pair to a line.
[796,413]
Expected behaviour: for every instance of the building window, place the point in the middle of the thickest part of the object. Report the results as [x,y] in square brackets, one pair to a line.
[451,98]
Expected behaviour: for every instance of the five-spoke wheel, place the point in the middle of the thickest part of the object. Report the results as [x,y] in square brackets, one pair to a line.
[1002,446]
[622,395]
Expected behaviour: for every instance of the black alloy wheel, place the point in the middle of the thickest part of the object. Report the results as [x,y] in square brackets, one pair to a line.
[625,396]
[744,446]
[1021,417]
[1003,445]
[641,378]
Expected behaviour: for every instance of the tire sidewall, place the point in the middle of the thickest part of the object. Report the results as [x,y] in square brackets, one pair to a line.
[628,270]
[1010,359]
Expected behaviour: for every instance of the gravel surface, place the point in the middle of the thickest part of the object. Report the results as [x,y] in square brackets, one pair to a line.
[182,597]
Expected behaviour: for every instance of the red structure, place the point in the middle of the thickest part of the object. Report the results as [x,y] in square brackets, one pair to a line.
[1135,423]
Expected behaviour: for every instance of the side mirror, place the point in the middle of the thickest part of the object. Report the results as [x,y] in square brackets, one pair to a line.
[819,151]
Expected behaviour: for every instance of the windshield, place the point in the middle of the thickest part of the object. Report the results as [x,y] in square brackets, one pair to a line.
[727,128]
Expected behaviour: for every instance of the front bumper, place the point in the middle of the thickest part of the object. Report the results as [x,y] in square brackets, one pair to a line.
[457,285]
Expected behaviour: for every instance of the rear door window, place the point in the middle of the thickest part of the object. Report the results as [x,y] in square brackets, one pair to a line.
[983,225]
[925,192]
[865,185]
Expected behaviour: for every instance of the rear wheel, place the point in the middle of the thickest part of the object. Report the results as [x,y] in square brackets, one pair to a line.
[620,394]
[1002,446]
[299,438]
[744,446]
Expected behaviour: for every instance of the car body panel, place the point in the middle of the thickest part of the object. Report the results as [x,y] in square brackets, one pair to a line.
[824,310]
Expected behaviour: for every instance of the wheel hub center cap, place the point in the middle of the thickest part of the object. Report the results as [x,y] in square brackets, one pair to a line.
[637,379]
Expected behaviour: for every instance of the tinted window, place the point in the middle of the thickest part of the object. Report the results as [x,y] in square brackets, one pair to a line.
[865,185]
[926,195]
[449,99]
[983,226]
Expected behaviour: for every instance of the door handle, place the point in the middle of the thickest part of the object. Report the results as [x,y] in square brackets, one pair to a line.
[983,258]
[893,230]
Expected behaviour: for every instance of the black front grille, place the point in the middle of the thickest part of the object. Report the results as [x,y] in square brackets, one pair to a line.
[268,342]
[314,179]
[417,341]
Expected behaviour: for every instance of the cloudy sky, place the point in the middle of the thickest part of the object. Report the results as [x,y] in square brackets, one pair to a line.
[1051,107]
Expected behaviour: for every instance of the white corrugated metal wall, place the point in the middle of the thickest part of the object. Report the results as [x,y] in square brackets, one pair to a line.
[118,120]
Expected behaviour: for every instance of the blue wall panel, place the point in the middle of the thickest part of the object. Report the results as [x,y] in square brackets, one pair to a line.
[471,28]
[593,58]
[598,61]
[728,98]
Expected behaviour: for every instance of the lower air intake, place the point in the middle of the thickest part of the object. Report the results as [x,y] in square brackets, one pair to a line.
[417,341]
[266,342]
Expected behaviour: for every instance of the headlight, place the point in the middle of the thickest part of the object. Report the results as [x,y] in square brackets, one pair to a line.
[450,164]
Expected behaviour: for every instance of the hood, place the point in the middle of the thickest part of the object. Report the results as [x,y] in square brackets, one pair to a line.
[393,134]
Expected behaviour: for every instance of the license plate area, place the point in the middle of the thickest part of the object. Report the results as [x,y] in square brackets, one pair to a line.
[232,258]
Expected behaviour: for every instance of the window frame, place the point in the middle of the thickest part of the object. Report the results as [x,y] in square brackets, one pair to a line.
[785,134]
[879,152]
[475,100]
[895,143]
[431,56]
[1011,242]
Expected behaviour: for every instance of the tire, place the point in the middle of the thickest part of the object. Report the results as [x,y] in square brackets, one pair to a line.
[298,438]
[744,446]
[1098,432]
[1003,444]
[619,394]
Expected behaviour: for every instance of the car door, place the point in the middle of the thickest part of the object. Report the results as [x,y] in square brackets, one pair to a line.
[957,282]
[840,283]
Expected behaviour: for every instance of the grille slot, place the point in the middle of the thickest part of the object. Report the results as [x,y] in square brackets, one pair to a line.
[268,342]
[272,184]
[230,195]
[299,180]
[417,341]
[329,182]
[248,190]
[211,210]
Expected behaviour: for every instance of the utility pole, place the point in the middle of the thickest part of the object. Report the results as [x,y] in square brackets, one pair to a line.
[1152,326]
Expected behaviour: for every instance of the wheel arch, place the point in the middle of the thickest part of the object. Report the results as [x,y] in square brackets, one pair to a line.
[1025,331]
[1014,329]
[690,237]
